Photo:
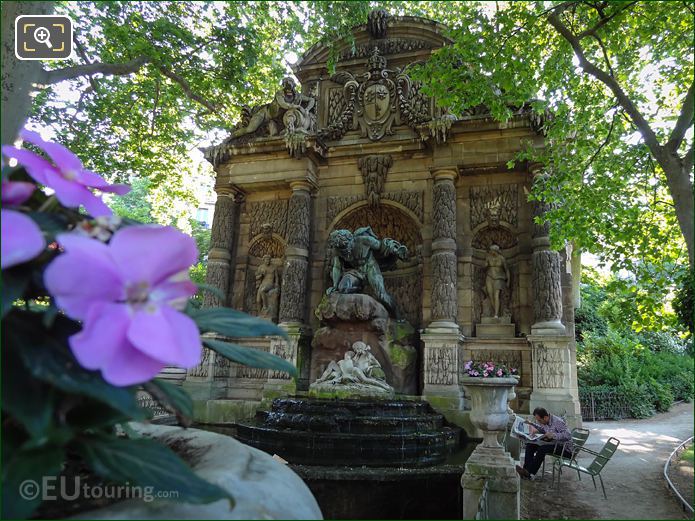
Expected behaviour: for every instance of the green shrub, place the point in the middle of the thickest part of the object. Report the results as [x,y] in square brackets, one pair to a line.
[661,342]
[649,371]
[682,386]
[639,400]
[660,395]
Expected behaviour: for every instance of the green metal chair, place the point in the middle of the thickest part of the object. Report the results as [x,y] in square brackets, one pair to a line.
[579,437]
[594,469]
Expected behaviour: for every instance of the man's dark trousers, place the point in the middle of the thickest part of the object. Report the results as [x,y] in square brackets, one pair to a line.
[535,454]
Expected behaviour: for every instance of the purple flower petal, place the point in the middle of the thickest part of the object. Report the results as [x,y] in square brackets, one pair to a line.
[22,239]
[94,180]
[83,276]
[64,159]
[36,166]
[130,366]
[166,335]
[16,192]
[103,334]
[74,195]
[174,293]
[152,253]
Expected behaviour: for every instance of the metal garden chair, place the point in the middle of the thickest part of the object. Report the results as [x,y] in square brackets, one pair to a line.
[579,437]
[594,469]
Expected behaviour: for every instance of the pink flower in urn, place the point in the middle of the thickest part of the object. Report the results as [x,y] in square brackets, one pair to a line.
[499,372]
[66,175]
[128,295]
[22,239]
[485,373]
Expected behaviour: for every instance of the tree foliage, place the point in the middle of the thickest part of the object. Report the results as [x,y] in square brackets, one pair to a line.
[612,80]
[614,84]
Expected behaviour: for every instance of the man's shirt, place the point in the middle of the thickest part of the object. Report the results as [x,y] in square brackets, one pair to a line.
[557,426]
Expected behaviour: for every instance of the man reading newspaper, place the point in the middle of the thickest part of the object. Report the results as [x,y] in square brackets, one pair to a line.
[548,434]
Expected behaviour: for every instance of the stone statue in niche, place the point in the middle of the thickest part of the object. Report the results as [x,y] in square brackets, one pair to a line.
[496,277]
[358,371]
[356,260]
[268,289]
[295,111]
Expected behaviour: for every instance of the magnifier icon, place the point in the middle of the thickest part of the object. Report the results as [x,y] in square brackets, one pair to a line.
[43,35]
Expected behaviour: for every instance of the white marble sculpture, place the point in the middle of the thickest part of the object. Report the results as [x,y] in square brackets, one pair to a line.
[359,372]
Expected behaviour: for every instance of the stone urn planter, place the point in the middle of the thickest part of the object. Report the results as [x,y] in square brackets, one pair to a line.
[489,463]
[263,487]
[489,404]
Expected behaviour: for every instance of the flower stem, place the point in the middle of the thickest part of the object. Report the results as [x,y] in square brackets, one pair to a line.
[49,204]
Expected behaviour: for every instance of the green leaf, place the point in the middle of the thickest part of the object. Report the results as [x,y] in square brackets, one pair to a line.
[148,463]
[173,398]
[250,357]
[24,397]
[22,480]
[14,282]
[232,323]
[47,359]
[211,289]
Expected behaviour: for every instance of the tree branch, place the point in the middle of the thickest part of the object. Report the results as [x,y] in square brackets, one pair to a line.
[642,124]
[688,160]
[603,21]
[83,54]
[188,91]
[605,141]
[107,69]
[685,120]
[605,55]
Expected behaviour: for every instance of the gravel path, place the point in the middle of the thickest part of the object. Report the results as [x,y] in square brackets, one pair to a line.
[634,477]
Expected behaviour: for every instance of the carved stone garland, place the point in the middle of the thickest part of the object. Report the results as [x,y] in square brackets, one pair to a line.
[374,169]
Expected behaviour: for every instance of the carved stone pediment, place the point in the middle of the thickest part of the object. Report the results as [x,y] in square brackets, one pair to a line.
[377,100]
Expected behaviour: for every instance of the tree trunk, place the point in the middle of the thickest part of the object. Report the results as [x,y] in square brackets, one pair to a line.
[18,76]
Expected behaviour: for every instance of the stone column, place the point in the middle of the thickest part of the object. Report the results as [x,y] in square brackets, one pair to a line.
[444,272]
[294,277]
[224,232]
[208,380]
[442,339]
[294,288]
[553,357]
[547,281]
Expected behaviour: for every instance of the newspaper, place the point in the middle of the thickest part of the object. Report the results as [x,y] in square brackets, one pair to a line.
[522,430]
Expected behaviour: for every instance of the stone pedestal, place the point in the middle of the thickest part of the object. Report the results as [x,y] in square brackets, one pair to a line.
[441,362]
[554,382]
[280,383]
[492,327]
[489,462]
[497,468]
[347,318]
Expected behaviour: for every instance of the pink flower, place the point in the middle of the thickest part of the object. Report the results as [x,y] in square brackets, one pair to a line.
[22,239]
[499,372]
[127,294]
[468,365]
[485,373]
[70,180]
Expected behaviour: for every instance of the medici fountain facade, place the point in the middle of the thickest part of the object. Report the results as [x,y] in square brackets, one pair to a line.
[352,210]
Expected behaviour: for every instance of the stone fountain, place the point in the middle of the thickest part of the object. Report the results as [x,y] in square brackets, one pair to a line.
[356,435]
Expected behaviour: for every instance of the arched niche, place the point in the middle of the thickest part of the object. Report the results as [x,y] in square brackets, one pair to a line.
[391,220]
[387,220]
